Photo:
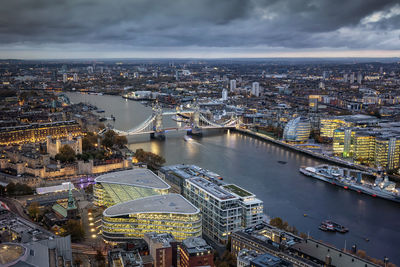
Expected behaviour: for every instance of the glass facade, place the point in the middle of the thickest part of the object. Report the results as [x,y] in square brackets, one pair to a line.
[133,226]
[107,194]
[221,216]
[329,125]
[297,130]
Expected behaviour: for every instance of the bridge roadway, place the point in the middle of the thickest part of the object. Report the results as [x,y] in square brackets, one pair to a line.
[153,124]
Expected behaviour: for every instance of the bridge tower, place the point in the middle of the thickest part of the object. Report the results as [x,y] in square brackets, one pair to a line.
[195,122]
[159,132]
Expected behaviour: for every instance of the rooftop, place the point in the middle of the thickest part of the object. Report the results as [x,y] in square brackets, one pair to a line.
[135,177]
[196,245]
[237,190]
[270,260]
[171,203]
[10,253]
[211,188]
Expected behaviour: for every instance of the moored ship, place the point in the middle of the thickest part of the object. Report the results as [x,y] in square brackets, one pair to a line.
[352,179]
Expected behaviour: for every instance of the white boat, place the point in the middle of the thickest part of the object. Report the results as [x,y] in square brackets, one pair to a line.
[188,138]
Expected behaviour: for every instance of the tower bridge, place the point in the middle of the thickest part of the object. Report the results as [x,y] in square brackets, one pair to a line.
[195,123]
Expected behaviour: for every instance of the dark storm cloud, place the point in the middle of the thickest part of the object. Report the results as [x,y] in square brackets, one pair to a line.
[355,24]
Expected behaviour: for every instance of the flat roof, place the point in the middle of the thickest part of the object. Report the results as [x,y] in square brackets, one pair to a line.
[237,190]
[135,177]
[10,253]
[170,203]
[55,188]
[213,189]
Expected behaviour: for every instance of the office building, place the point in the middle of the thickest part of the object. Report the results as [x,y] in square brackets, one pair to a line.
[195,252]
[387,150]
[252,207]
[175,175]
[232,87]
[329,125]
[369,146]
[297,130]
[220,208]
[170,213]
[255,89]
[119,187]
[75,77]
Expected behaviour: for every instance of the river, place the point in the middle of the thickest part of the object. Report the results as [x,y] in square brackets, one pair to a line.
[253,164]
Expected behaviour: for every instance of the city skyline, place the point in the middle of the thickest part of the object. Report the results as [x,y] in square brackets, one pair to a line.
[199,29]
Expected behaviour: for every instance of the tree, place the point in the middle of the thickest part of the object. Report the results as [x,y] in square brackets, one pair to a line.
[89,142]
[10,188]
[75,229]
[153,161]
[108,139]
[34,210]
[120,141]
[66,154]
[277,222]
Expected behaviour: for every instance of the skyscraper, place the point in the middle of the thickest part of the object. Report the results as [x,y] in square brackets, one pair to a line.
[224,94]
[255,89]
[359,78]
[75,77]
[233,85]
[352,78]
[65,78]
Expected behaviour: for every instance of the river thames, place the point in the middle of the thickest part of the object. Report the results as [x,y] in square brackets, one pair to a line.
[253,164]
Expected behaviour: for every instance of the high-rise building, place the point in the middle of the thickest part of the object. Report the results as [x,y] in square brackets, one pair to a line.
[220,208]
[325,74]
[224,94]
[75,77]
[255,89]
[345,77]
[232,86]
[65,78]
[359,78]
[352,78]
[90,69]
[195,252]
[297,130]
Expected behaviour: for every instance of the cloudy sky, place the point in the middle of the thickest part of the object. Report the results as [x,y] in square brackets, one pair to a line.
[198,28]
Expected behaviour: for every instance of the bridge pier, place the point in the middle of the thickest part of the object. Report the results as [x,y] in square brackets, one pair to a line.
[195,131]
[158,135]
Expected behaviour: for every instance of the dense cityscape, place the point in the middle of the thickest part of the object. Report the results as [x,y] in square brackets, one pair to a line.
[73,188]
[227,133]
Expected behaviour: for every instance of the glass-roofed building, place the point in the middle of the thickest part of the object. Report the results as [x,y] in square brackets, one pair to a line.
[118,187]
[297,130]
[170,213]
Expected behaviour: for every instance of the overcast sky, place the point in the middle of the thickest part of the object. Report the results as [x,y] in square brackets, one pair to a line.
[198,28]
